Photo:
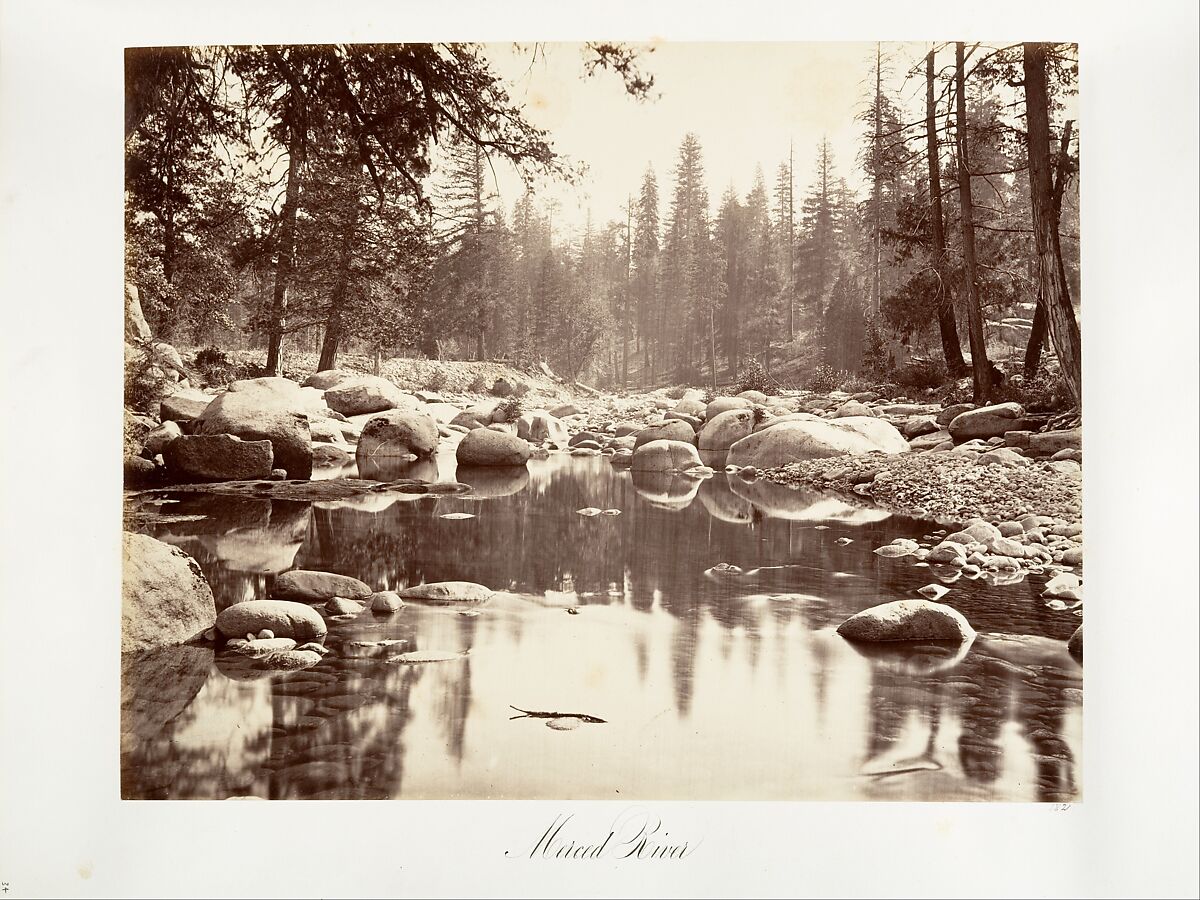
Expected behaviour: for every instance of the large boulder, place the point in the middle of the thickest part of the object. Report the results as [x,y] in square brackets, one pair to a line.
[812,438]
[852,408]
[159,438]
[217,457]
[986,422]
[184,405]
[1075,643]
[725,429]
[485,447]
[283,618]
[443,413]
[691,407]
[398,432]
[723,404]
[665,456]
[754,396]
[164,597]
[950,413]
[316,587]
[136,328]
[908,620]
[366,394]
[264,409]
[538,425]
[328,378]
[673,430]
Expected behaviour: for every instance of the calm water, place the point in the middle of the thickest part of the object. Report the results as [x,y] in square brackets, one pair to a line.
[712,686]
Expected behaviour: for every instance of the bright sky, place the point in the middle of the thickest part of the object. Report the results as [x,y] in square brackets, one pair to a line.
[745,102]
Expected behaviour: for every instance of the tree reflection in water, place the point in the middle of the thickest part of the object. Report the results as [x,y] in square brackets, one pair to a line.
[725,684]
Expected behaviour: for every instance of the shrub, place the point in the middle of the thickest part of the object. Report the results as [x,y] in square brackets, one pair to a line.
[144,390]
[478,385]
[509,409]
[856,384]
[923,374]
[753,377]
[676,393]
[824,379]
[436,380]
[1045,392]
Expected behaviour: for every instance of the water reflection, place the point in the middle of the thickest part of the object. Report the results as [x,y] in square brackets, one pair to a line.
[729,686]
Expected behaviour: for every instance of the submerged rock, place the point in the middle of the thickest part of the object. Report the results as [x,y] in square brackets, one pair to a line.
[908,620]
[445,593]
[340,606]
[317,587]
[386,602]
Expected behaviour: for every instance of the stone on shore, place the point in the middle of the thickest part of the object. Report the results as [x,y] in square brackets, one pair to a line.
[184,405]
[264,409]
[797,439]
[671,430]
[986,422]
[725,429]
[720,405]
[217,457]
[538,425]
[366,394]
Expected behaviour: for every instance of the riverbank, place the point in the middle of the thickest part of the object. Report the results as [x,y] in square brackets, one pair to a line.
[948,485]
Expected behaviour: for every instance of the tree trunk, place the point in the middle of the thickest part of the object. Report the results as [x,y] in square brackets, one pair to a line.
[285,259]
[947,327]
[979,360]
[1037,337]
[337,298]
[1052,277]
[712,349]
[877,191]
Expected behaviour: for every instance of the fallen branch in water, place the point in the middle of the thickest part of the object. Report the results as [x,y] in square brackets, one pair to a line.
[533,714]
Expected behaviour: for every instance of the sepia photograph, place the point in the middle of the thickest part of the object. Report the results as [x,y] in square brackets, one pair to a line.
[599,450]
[500,423]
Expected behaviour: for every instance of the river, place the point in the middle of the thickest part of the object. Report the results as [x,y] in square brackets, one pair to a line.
[713,685]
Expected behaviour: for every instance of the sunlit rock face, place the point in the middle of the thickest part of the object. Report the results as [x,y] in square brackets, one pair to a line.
[791,439]
[401,433]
